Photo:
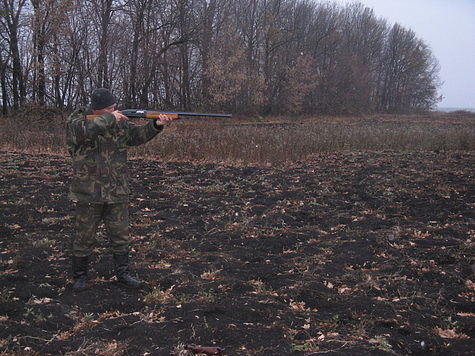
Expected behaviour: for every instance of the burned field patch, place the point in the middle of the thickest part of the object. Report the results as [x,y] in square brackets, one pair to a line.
[355,253]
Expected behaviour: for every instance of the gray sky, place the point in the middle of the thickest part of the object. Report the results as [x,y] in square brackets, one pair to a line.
[448,27]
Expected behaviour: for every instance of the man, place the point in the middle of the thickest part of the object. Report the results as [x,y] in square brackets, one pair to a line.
[99,186]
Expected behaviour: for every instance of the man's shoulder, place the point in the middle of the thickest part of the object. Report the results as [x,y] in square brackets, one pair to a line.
[79,113]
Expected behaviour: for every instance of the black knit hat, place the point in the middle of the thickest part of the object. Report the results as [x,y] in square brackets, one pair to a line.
[102,98]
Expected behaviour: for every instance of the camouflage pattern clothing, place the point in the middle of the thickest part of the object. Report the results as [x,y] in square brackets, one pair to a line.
[99,185]
[98,148]
[116,221]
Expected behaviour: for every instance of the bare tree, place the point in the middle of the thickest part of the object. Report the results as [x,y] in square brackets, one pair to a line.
[3,81]
[207,13]
[410,72]
[48,25]
[104,12]
[10,20]
[138,13]
[362,46]
[78,52]
[324,44]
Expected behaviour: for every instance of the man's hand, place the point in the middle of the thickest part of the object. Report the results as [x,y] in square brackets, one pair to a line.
[119,116]
[163,120]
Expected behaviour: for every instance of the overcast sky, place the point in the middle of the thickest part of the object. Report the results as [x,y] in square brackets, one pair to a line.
[448,27]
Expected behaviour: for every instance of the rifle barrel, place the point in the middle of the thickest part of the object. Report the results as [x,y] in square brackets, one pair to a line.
[133,113]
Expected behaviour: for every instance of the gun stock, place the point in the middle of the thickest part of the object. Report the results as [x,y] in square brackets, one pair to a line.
[148,114]
[204,350]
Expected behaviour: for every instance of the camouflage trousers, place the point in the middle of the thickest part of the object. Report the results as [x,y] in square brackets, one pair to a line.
[90,215]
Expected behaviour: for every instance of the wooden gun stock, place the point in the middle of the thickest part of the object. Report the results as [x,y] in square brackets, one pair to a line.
[204,350]
[147,114]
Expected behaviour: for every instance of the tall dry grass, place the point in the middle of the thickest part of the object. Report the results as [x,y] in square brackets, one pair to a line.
[271,141]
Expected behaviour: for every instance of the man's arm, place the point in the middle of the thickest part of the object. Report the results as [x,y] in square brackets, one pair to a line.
[79,130]
[140,134]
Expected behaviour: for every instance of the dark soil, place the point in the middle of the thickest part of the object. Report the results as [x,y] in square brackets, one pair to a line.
[350,254]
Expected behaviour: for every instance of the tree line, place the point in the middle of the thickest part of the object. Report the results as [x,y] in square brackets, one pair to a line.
[244,56]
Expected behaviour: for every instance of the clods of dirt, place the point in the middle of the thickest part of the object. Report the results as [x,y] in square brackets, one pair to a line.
[357,253]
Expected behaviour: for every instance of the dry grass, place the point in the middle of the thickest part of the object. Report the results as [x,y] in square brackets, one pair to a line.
[270,141]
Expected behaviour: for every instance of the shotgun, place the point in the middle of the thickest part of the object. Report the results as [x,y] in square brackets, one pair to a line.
[147,114]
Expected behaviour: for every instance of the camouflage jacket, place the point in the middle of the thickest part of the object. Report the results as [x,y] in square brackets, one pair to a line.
[98,148]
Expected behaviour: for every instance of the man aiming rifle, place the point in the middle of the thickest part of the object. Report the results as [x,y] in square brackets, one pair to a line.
[100,188]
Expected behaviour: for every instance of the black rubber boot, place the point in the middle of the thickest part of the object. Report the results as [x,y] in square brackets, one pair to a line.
[122,271]
[80,273]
